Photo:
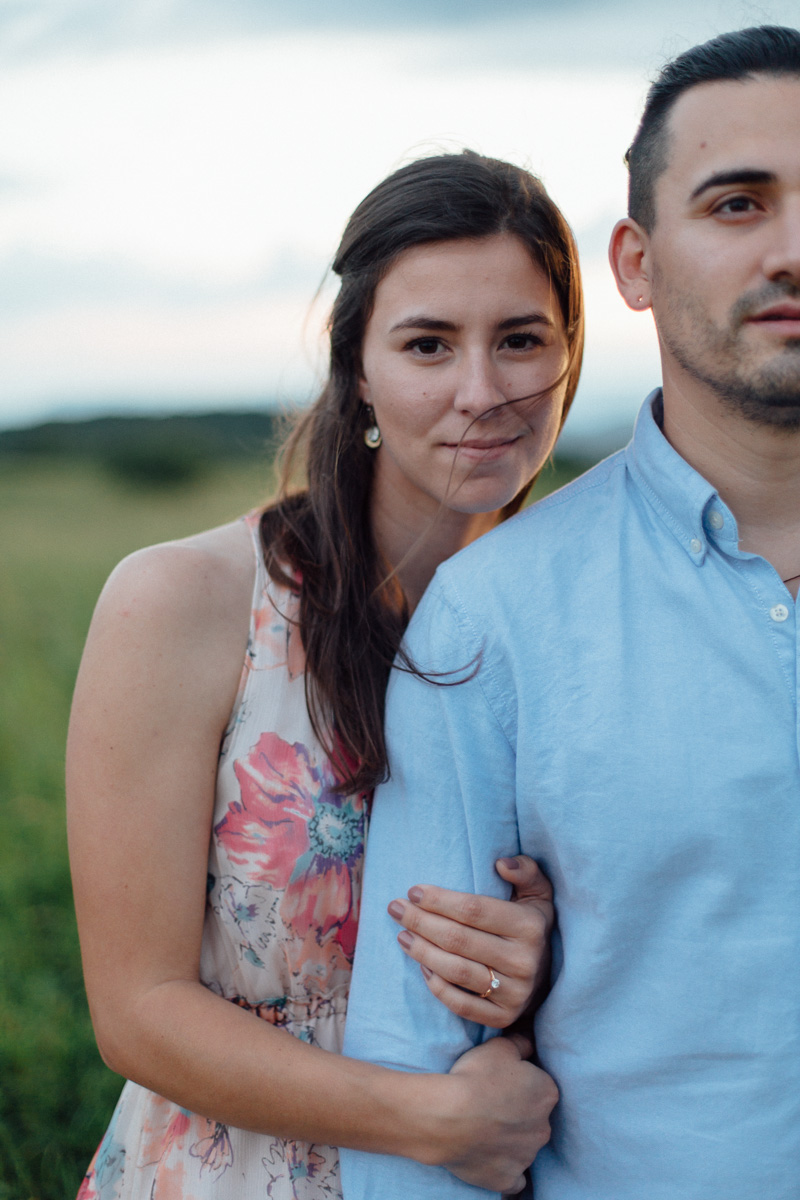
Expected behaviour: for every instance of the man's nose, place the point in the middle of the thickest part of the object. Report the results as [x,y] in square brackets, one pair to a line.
[782,260]
[479,387]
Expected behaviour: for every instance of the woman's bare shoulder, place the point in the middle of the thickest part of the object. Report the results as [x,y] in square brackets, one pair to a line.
[173,598]
[209,574]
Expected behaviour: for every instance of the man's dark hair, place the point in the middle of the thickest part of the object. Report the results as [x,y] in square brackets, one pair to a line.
[761,50]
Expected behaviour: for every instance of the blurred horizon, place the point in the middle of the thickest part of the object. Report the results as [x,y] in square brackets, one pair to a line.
[177,174]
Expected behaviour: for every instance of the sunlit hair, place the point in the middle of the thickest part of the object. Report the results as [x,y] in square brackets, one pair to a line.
[740,55]
[352,609]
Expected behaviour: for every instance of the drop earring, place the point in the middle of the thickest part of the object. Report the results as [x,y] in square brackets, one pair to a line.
[372,434]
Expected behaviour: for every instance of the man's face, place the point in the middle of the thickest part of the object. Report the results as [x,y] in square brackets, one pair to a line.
[724,253]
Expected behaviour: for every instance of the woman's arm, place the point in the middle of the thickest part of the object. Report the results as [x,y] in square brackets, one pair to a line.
[154,694]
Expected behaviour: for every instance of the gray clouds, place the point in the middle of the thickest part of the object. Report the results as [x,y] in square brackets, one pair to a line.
[514,33]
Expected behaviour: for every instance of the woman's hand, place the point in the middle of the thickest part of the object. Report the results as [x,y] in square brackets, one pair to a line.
[515,1100]
[465,943]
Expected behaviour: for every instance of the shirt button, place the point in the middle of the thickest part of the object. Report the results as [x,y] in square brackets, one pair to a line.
[716,519]
[779,612]
[695,545]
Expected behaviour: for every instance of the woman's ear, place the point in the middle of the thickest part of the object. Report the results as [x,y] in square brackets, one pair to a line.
[628,253]
[363,389]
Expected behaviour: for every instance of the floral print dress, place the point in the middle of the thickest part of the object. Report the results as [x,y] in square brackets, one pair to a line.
[284,878]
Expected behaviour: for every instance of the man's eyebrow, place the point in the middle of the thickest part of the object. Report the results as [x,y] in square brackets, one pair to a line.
[436,325]
[743,175]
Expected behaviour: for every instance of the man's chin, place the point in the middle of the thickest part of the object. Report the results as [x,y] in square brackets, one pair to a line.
[776,410]
[771,396]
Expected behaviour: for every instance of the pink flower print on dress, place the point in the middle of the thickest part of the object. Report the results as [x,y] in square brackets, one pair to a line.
[166,1126]
[293,830]
[277,630]
[318,904]
[266,832]
[215,1151]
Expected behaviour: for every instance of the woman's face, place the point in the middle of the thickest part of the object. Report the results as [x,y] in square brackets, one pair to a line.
[459,328]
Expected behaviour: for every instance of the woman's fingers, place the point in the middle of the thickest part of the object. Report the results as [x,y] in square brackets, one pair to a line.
[521,1043]
[528,878]
[487,913]
[465,943]
[456,950]
[496,1013]
[466,986]
[517,1099]
[509,935]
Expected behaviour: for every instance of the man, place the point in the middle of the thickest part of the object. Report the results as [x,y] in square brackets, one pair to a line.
[630,716]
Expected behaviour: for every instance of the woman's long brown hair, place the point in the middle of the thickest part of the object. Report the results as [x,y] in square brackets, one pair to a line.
[317,537]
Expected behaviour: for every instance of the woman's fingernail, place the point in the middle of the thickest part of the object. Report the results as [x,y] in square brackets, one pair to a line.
[511,864]
[426,971]
[396,909]
[415,894]
[406,939]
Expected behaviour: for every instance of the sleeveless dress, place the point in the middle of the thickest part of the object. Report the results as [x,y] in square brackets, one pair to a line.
[284,880]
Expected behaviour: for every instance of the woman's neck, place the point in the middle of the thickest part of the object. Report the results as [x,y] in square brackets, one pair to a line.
[414,539]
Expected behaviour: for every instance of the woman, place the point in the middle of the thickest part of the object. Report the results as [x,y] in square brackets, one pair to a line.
[456,340]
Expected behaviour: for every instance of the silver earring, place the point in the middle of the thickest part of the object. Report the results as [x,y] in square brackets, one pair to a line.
[372,434]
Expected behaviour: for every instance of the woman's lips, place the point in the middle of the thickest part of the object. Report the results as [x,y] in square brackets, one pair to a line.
[482,450]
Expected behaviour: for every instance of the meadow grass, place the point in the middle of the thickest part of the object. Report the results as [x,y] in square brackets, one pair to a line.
[63,526]
[62,529]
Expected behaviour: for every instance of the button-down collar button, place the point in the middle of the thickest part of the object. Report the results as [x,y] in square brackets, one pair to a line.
[716,519]
[695,545]
[779,612]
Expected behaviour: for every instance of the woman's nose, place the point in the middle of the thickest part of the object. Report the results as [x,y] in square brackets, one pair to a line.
[478,390]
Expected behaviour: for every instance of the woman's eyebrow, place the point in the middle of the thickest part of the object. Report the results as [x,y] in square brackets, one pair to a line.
[420,321]
[536,318]
[743,175]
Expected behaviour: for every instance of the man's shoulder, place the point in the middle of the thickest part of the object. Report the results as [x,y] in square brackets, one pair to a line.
[565,525]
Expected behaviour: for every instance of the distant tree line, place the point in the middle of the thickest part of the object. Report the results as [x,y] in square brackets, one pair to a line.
[166,451]
[150,450]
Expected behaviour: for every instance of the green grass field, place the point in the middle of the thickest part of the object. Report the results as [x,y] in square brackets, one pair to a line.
[63,527]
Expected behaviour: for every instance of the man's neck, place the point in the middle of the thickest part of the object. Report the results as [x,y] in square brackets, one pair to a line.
[755,468]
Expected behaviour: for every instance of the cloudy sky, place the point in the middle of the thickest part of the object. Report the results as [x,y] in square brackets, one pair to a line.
[175,174]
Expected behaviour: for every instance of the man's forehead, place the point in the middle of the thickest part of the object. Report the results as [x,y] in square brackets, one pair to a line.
[752,124]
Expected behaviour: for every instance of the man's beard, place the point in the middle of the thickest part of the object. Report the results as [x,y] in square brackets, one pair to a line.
[767,395]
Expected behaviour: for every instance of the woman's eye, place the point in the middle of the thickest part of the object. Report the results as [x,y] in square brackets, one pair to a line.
[426,346]
[522,341]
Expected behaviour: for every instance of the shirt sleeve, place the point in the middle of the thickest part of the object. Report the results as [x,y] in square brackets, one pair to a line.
[446,814]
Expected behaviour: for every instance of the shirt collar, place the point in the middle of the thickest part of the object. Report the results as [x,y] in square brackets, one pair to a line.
[687,503]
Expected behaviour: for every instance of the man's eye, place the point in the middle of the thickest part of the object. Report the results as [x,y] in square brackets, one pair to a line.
[736,204]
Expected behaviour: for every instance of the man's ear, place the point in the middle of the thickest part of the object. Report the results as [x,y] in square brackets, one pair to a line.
[628,253]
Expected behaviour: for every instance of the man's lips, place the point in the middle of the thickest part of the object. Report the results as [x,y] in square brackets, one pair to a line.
[777,313]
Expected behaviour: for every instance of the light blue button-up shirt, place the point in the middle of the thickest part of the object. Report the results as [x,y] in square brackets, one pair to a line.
[632,725]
